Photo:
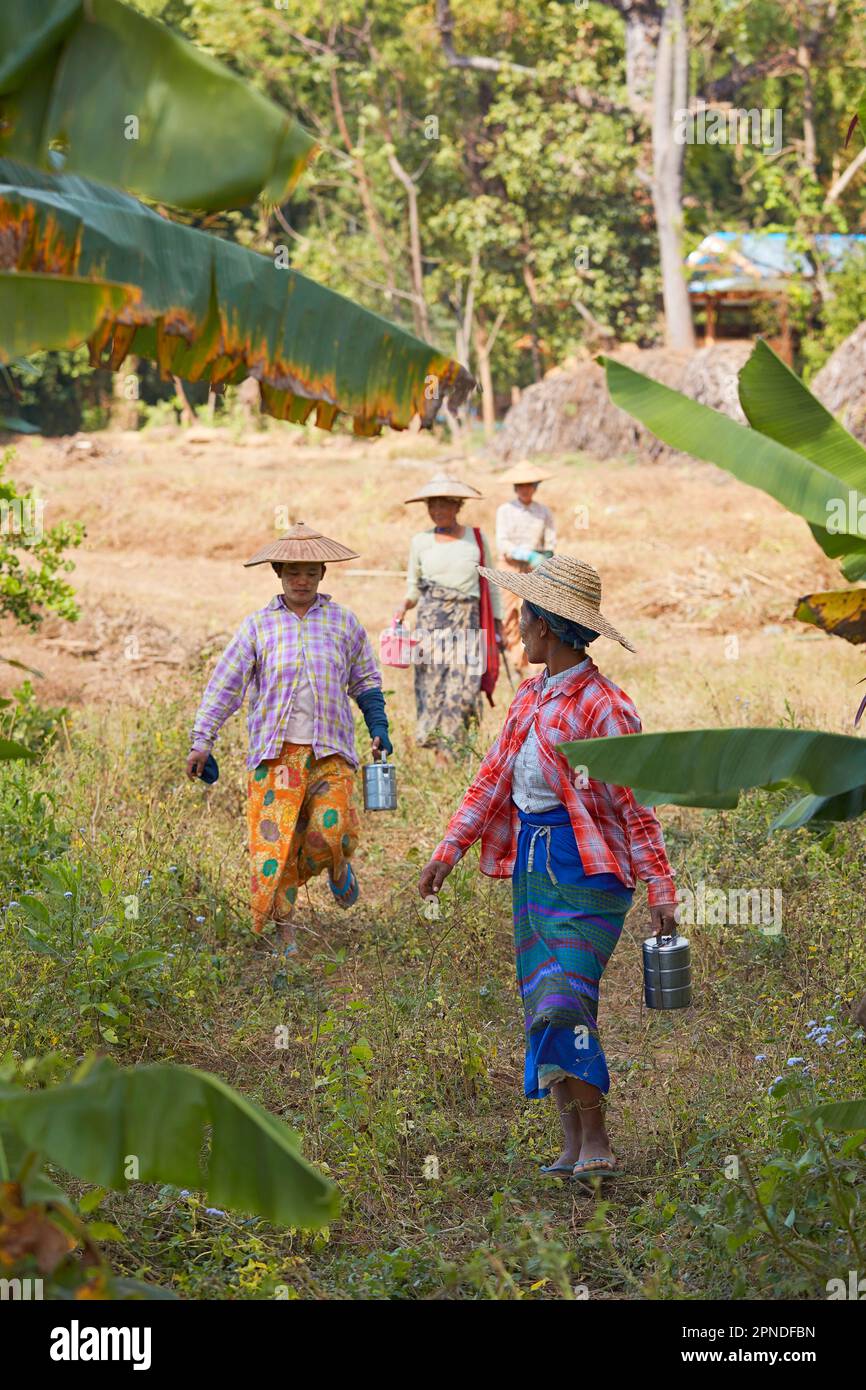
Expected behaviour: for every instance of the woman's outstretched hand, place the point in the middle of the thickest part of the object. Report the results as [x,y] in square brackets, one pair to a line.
[432,877]
[195,763]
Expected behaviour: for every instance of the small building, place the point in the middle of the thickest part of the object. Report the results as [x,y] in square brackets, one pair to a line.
[732,273]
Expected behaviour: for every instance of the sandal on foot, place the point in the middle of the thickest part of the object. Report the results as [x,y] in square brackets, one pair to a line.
[346,896]
[601,1167]
[556,1170]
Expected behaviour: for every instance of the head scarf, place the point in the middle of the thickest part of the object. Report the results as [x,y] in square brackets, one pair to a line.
[572,634]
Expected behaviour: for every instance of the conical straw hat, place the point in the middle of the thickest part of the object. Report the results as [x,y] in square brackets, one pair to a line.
[524,472]
[564,586]
[444,485]
[302,543]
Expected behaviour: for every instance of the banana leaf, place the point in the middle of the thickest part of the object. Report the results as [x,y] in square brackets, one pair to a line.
[133,104]
[779,405]
[840,1116]
[53,311]
[208,308]
[697,767]
[806,488]
[159,1115]
[840,612]
[846,806]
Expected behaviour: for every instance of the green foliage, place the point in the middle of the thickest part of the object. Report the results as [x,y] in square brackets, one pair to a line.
[30,836]
[844,311]
[206,307]
[792,448]
[69,98]
[797,1206]
[390,1040]
[26,721]
[28,592]
[55,390]
[158,1115]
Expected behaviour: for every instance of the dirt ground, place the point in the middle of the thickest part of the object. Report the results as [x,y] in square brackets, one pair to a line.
[700,571]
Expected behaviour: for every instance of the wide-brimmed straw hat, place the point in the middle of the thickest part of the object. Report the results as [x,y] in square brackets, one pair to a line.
[564,586]
[443,485]
[302,543]
[524,472]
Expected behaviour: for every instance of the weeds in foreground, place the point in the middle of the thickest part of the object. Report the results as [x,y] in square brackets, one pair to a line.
[392,1043]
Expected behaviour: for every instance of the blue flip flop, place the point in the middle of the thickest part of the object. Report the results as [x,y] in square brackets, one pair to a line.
[346,896]
[556,1170]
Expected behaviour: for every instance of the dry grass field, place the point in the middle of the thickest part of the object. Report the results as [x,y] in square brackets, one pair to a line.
[405,1035]
[689,558]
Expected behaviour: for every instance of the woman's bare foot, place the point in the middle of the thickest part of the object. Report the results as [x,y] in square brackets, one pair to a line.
[284,936]
[594,1148]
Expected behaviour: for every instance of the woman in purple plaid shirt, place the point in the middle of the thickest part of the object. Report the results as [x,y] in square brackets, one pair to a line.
[300,660]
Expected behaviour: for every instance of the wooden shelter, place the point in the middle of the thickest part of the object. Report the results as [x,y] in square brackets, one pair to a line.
[735,271]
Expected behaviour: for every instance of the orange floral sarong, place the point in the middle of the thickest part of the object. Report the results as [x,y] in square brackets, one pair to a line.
[302,820]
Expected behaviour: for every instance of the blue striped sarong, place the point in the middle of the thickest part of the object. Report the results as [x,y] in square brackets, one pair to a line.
[566,924]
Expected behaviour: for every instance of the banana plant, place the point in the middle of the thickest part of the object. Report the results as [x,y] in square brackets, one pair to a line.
[711,767]
[54,311]
[204,307]
[117,1127]
[794,450]
[127,101]
[93,88]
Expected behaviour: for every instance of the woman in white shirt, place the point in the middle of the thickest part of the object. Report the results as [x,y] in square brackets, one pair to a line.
[525,535]
[443,581]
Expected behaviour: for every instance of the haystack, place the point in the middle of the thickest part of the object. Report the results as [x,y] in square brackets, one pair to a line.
[571,411]
[841,383]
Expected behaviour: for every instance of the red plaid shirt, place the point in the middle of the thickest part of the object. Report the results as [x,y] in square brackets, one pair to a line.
[614,833]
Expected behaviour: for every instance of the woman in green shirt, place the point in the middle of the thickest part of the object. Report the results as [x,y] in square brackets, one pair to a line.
[443,581]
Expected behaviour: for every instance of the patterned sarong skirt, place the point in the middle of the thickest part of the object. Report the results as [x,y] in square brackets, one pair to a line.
[449,662]
[302,820]
[566,925]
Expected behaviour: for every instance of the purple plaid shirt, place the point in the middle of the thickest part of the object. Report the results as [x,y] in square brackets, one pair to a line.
[266,656]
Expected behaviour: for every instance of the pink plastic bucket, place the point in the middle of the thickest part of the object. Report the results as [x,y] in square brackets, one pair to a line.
[395,645]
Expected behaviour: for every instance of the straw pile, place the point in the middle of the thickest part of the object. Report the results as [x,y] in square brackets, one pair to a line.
[570,410]
[841,383]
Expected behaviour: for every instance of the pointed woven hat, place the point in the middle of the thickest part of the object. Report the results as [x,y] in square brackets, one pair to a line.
[302,543]
[570,588]
[444,485]
[524,472]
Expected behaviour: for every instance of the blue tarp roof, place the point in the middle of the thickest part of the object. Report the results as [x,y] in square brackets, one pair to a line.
[759,260]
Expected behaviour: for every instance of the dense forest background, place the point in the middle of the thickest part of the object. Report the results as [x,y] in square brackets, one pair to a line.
[490,173]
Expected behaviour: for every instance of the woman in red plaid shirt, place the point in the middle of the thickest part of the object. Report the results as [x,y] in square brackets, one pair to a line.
[572,846]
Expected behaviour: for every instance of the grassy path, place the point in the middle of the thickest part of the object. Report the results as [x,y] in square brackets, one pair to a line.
[394,1045]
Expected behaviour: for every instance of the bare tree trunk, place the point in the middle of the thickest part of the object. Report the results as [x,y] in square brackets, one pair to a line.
[670,94]
[419,303]
[123,411]
[186,409]
[484,344]
[641,39]
[804,58]
[532,290]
